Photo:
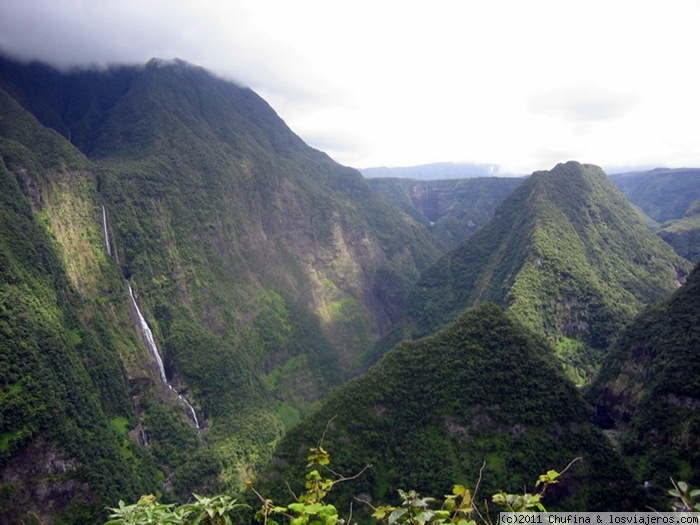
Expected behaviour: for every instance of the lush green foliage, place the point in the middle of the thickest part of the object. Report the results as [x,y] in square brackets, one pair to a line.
[460,507]
[663,194]
[265,270]
[428,413]
[566,254]
[648,388]
[61,381]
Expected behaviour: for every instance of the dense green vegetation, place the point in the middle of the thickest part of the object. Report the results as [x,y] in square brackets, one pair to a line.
[663,194]
[566,254]
[265,271]
[671,197]
[647,390]
[430,412]
[267,274]
[451,210]
[61,380]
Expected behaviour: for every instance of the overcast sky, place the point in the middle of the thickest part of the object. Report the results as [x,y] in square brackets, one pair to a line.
[524,84]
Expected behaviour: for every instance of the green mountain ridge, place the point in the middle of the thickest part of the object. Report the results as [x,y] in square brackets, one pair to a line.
[263,268]
[566,254]
[450,209]
[647,391]
[269,276]
[432,411]
[670,198]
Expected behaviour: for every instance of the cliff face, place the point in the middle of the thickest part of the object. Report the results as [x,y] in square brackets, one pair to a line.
[451,210]
[263,269]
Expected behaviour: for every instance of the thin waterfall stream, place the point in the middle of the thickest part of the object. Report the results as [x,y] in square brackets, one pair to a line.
[104,227]
[153,349]
[148,335]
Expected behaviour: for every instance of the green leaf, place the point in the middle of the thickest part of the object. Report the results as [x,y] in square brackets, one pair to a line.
[458,490]
[397,514]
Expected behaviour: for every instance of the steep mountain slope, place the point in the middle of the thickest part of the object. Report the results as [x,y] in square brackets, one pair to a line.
[65,397]
[263,268]
[648,389]
[450,209]
[670,197]
[430,412]
[684,234]
[663,194]
[566,254]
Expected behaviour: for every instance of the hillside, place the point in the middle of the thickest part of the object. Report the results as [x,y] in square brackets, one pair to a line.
[647,391]
[566,254]
[263,269]
[684,234]
[451,210]
[663,194]
[670,197]
[432,411]
[65,396]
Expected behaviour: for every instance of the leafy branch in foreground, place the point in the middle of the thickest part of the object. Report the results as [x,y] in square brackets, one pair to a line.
[460,508]
[309,507]
[685,499]
[215,510]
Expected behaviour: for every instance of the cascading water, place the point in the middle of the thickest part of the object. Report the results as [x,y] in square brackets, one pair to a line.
[104,227]
[148,336]
[153,349]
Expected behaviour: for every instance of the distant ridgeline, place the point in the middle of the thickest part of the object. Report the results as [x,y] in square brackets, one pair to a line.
[670,200]
[266,276]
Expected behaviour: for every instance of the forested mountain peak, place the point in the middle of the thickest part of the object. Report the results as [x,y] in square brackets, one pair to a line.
[567,254]
[482,399]
[263,269]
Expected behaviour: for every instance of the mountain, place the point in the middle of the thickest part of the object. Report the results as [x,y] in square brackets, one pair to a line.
[647,391]
[684,234]
[432,411]
[663,194]
[566,254]
[434,171]
[261,270]
[65,396]
[671,198]
[450,209]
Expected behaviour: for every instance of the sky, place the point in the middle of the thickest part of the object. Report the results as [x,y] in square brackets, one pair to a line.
[520,84]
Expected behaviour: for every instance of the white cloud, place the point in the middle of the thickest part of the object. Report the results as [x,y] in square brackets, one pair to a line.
[521,84]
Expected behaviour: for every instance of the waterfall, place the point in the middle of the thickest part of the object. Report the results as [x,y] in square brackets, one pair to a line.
[153,349]
[104,227]
[148,336]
